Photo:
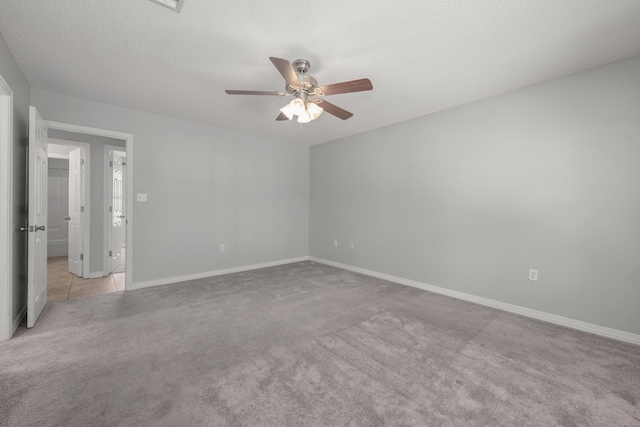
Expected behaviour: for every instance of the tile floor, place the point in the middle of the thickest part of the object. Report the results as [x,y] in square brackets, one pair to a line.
[63,285]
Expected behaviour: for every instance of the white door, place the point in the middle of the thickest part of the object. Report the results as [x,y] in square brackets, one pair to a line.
[117,212]
[37,244]
[75,212]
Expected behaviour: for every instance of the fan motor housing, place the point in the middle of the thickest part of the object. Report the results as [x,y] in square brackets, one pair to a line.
[301,65]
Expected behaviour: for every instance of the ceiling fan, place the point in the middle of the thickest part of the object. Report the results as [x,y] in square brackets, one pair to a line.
[308,102]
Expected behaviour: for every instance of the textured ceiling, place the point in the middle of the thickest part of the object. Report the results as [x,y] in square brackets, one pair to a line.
[422,56]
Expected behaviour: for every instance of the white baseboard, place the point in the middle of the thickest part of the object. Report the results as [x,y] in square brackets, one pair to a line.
[177,279]
[540,315]
[18,319]
[96,275]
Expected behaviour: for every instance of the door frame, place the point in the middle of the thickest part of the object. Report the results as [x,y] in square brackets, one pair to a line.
[6,212]
[86,196]
[107,193]
[128,148]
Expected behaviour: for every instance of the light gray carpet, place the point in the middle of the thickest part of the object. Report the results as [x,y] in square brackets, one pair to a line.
[308,345]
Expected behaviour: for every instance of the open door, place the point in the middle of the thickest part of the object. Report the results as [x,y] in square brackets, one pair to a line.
[117,212]
[37,244]
[75,211]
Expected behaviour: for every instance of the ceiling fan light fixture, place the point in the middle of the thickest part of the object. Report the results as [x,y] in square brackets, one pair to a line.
[297,107]
[306,111]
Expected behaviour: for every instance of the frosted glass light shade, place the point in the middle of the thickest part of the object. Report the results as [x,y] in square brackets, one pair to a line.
[306,111]
[286,110]
[304,117]
[297,106]
[314,110]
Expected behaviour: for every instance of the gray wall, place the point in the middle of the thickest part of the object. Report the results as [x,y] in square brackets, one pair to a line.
[15,79]
[547,177]
[206,186]
[97,209]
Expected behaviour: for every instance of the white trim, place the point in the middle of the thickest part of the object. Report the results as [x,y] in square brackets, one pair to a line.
[177,279]
[86,200]
[6,211]
[128,142]
[128,277]
[87,130]
[535,314]
[19,318]
[95,275]
[57,247]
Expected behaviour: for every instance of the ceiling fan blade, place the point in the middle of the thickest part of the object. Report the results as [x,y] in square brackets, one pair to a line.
[347,87]
[253,92]
[287,71]
[335,110]
[281,117]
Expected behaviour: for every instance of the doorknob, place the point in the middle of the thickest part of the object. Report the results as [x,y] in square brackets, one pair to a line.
[121,216]
[39,228]
[24,228]
[68,218]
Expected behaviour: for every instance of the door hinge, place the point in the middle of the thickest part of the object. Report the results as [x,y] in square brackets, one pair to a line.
[81,162]
[110,208]
[124,164]
[110,253]
[81,257]
[81,208]
[110,164]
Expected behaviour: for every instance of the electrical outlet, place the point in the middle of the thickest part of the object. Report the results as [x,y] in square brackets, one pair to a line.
[335,243]
[533,275]
[353,246]
[141,197]
[222,248]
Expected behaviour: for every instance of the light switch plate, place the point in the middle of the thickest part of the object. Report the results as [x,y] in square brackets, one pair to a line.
[141,197]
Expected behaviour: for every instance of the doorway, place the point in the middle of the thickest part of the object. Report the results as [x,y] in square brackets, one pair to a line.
[68,202]
[39,132]
[75,233]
